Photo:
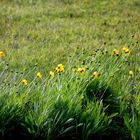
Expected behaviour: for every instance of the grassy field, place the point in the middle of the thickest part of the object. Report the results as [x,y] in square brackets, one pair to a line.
[69,69]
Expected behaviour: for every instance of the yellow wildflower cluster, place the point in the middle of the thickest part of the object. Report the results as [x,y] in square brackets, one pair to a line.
[96,74]
[24,82]
[39,75]
[116,52]
[126,50]
[59,68]
[131,73]
[81,70]
[51,74]
[2,54]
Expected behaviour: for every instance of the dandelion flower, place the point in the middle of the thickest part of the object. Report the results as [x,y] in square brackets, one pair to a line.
[116,52]
[59,68]
[81,70]
[39,75]
[51,74]
[24,82]
[2,54]
[126,50]
[131,73]
[96,74]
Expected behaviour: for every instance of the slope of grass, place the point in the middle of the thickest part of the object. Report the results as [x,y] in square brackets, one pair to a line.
[32,30]
[94,92]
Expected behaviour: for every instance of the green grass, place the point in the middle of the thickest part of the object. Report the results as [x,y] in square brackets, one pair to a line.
[36,36]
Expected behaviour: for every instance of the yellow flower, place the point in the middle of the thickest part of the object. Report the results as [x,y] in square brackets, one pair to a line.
[81,70]
[39,75]
[24,82]
[126,50]
[2,54]
[96,74]
[139,69]
[131,73]
[59,68]
[51,74]
[116,52]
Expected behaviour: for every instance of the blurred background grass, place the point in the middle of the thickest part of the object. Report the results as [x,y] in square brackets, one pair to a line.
[48,31]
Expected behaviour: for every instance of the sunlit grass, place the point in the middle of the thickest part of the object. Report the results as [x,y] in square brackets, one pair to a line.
[69,69]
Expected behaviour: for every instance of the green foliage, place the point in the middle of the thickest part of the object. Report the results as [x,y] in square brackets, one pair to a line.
[36,36]
[132,118]
[68,120]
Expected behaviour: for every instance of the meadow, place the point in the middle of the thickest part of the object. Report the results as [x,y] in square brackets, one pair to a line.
[69,69]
